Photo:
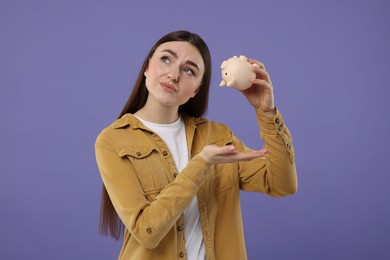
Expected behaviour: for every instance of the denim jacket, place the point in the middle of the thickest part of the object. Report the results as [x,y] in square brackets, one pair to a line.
[150,195]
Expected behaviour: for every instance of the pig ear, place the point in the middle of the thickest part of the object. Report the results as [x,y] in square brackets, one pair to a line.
[223,83]
[224,64]
[242,57]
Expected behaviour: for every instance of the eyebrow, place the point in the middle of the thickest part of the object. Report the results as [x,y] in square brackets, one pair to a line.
[174,54]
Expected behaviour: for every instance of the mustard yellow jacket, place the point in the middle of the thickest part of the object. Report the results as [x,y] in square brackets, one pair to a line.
[150,196]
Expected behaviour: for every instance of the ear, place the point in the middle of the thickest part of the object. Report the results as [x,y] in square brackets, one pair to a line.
[196,91]
[146,70]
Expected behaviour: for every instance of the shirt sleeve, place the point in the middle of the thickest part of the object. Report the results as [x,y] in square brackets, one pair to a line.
[276,173]
[148,221]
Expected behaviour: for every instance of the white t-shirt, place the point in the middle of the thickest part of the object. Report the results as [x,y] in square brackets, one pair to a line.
[174,136]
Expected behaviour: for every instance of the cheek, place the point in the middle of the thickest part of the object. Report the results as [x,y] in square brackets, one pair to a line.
[193,89]
[198,85]
[152,69]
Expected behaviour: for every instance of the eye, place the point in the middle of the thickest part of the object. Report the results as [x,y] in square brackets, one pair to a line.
[189,72]
[165,59]
[226,73]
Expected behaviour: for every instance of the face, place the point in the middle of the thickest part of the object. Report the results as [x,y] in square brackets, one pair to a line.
[174,73]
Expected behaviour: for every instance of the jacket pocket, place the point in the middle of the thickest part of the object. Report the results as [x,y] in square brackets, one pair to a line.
[225,175]
[149,169]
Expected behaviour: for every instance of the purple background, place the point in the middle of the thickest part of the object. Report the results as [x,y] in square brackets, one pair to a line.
[67,68]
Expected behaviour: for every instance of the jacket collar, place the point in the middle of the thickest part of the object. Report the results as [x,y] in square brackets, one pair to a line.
[127,120]
[133,122]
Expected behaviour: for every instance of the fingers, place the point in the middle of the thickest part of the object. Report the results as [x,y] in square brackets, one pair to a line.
[260,71]
[215,154]
[259,63]
[229,154]
[262,82]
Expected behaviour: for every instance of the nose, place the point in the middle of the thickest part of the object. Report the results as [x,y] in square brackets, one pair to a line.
[174,74]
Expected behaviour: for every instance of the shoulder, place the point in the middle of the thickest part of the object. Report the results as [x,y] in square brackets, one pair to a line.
[204,125]
[200,122]
[125,131]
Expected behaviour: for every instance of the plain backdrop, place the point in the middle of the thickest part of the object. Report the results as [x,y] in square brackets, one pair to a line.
[67,68]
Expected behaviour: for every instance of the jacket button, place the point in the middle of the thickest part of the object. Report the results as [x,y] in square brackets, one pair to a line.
[280,128]
[149,230]
[165,153]
[181,254]
[179,228]
[138,154]
[175,175]
[277,121]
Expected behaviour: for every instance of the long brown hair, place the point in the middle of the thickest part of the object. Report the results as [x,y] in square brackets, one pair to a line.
[110,223]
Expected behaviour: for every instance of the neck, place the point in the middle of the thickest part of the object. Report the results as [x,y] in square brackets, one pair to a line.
[158,114]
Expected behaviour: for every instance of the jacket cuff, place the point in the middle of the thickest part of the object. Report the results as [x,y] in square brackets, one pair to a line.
[270,124]
[197,170]
[274,125]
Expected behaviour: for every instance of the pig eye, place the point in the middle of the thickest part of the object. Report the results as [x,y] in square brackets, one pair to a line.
[226,73]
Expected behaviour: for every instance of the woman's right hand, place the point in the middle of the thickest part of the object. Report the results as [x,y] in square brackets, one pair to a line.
[225,154]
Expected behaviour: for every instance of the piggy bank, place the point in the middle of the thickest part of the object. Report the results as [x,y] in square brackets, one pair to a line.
[237,73]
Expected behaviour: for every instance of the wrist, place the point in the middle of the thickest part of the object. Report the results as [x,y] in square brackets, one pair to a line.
[205,158]
[268,112]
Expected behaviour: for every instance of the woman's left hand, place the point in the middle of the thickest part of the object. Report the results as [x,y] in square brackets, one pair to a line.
[260,95]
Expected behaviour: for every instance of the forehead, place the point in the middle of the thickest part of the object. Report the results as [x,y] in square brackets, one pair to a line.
[184,50]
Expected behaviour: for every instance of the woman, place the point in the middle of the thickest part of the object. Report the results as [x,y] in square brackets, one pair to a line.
[171,178]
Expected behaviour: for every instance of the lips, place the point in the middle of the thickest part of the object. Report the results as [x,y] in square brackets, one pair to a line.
[168,87]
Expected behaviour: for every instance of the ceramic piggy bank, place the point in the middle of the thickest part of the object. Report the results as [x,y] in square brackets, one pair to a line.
[237,73]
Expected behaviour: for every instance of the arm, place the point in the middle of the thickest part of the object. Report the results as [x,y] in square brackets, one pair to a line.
[147,221]
[276,174]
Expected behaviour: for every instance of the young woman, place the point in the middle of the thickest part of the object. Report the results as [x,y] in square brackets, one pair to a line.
[171,179]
